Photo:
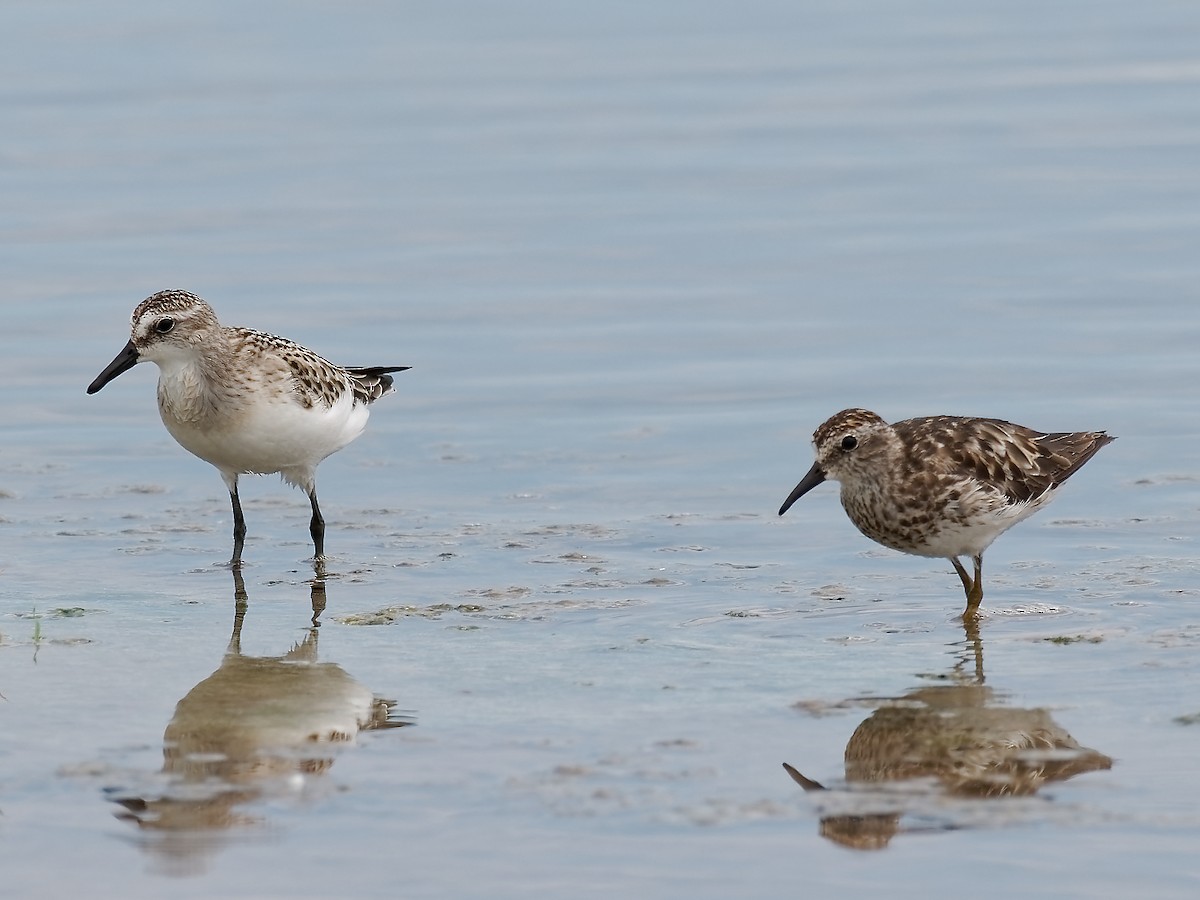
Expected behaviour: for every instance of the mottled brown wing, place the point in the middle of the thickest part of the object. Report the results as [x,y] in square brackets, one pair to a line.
[372,382]
[1018,461]
[314,378]
[1071,449]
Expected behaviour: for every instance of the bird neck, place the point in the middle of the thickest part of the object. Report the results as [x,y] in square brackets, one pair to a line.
[196,384]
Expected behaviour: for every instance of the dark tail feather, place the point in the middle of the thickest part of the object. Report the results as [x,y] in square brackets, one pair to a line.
[1075,449]
[373,371]
[372,382]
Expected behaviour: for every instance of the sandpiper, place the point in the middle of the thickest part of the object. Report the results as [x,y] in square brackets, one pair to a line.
[246,401]
[943,486]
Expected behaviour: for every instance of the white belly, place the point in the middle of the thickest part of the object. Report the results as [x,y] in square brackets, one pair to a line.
[271,435]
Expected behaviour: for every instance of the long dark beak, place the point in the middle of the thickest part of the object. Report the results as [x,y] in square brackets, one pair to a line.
[126,359]
[814,477]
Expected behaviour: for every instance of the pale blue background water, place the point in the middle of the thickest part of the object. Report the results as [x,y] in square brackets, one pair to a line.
[635,254]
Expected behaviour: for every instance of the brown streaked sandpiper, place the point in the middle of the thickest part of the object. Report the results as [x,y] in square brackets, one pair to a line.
[942,486]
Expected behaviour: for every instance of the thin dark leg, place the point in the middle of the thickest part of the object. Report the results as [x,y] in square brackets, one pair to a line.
[239,527]
[317,527]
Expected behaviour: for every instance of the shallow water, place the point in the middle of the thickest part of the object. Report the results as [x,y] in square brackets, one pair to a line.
[634,257]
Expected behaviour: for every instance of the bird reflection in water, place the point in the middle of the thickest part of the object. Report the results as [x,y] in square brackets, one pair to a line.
[257,730]
[950,740]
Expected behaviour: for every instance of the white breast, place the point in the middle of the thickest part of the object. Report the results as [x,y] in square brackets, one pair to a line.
[268,432]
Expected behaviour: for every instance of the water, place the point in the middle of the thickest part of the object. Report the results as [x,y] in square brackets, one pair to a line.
[634,256]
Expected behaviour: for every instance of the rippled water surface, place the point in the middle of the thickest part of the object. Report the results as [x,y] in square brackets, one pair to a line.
[634,254]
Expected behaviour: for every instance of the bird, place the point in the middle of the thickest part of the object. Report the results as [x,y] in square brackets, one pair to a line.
[943,486]
[245,401]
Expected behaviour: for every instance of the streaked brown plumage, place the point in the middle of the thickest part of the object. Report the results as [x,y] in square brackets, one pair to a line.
[942,486]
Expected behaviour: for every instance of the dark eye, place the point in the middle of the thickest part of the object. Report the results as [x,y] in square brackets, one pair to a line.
[165,324]
[849,442]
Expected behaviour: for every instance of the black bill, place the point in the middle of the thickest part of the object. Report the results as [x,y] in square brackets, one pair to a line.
[814,477]
[126,359]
